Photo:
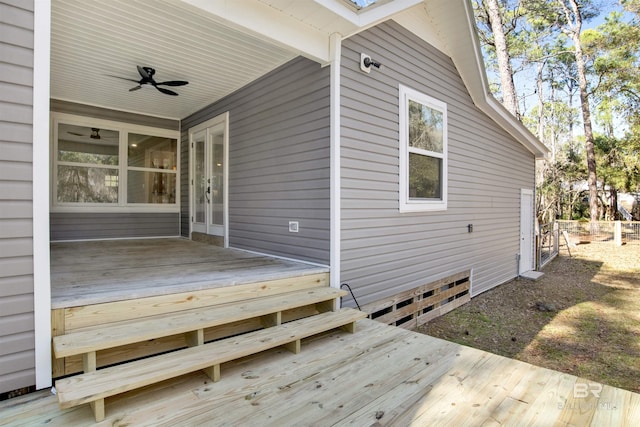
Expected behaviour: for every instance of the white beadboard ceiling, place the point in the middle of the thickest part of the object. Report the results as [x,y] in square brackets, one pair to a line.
[93,40]
[218,46]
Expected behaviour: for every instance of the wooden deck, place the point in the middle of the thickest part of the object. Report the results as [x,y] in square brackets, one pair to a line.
[380,376]
[85,273]
[101,282]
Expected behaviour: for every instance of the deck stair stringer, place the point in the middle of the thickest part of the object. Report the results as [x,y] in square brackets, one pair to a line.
[193,321]
[94,387]
[281,319]
[95,317]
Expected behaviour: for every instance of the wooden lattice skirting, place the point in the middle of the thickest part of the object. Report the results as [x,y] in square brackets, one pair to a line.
[417,306]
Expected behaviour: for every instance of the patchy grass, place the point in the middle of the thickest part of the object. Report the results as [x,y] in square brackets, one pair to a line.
[592,330]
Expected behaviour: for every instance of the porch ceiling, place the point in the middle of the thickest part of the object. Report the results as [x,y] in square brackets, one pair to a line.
[217,45]
[91,41]
[220,46]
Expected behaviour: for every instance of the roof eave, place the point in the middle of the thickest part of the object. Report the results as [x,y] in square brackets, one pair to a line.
[460,35]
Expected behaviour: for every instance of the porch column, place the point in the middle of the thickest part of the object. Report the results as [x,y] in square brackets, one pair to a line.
[41,256]
[335,53]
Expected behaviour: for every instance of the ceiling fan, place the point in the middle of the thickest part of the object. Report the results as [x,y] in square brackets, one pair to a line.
[95,134]
[147,74]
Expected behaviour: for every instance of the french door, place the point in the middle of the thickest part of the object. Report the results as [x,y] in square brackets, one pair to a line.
[209,170]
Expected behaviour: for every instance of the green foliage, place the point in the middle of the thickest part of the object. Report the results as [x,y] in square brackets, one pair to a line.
[616,47]
[558,118]
[619,163]
[541,36]
[513,14]
[544,14]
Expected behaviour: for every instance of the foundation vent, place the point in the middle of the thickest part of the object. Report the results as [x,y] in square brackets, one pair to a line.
[415,307]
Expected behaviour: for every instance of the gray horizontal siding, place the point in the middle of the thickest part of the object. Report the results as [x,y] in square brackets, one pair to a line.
[383,251]
[278,160]
[81,226]
[115,115]
[17,342]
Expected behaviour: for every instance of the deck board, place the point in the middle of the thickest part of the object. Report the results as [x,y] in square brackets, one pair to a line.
[343,379]
[95,272]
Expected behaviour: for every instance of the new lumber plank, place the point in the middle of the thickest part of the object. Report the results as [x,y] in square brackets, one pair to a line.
[97,385]
[82,316]
[341,380]
[132,331]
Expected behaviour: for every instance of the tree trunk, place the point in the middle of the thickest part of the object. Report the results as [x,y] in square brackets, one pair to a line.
[539,89]
[615,215]
[509,98]
[575,25]
[554,135]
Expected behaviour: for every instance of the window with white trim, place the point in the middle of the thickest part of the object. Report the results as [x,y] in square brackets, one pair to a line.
[423,152]
[104,165]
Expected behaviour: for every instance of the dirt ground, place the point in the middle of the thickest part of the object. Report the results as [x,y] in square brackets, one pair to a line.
[582,317]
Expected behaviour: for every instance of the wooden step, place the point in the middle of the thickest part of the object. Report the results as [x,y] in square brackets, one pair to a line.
[94,387]
[194,320]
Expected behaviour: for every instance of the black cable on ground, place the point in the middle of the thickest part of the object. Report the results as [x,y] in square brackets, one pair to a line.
[352,295]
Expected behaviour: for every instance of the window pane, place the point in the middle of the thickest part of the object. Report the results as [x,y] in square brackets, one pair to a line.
[151,187]
[82,144]
[425,177]
[152,151]
[217,180]
[77,184]
[200,180]
[425,127]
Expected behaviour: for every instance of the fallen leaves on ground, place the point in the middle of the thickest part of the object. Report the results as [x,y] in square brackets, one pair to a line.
[582,317]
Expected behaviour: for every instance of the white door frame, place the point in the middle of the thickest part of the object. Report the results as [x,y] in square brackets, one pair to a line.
[221,120]
[527,252]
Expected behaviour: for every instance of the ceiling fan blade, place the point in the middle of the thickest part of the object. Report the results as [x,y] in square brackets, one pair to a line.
[174,83]
[167,91]
[135,88]
[123,78]
[143,72]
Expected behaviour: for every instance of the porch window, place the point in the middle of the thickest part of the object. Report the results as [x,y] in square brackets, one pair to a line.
[114,165]
[151,169]
[423,152]
[87,161]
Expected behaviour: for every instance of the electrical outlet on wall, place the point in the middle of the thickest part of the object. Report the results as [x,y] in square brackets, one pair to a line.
[294,226]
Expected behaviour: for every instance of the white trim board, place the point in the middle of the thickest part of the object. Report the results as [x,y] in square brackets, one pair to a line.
[335,189]
[41,256]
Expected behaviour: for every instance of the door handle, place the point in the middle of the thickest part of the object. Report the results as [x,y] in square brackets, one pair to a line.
[207,194]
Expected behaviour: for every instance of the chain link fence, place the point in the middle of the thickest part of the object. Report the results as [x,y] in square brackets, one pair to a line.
[549,235]
[548,243]
[602,231]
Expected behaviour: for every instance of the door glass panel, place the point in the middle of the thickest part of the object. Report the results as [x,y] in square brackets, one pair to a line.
[217,180]
[199,180]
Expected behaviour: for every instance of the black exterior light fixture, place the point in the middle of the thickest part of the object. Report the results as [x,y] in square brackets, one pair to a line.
[366,63]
